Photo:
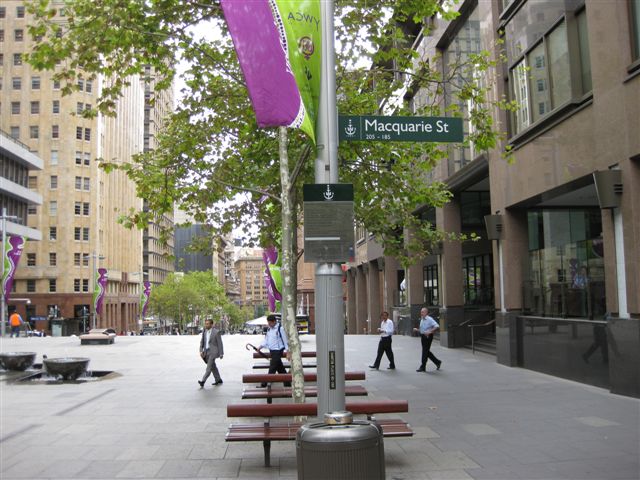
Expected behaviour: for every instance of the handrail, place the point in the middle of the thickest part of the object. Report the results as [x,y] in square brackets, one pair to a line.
[472,326]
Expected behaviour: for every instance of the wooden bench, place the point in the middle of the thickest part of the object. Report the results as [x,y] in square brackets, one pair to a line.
[286,365]
[286,377]
[268,432]
[270,393]
[268,355]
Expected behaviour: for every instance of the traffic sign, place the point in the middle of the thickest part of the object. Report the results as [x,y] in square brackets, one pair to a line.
[399,129]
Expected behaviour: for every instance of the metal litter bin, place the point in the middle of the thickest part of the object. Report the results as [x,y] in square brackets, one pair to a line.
[340,449]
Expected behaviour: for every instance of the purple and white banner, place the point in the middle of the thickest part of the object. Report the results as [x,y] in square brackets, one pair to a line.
[274,276]
[99,290]
[10,258]
[144,297]
[279,44]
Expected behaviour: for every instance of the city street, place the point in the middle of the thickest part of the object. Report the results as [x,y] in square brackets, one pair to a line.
[474,419]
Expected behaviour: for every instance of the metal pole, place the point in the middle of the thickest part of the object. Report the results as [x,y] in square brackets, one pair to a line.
[328,289]
[95,284]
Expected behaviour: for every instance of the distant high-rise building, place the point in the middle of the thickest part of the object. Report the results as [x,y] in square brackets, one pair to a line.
[81,203]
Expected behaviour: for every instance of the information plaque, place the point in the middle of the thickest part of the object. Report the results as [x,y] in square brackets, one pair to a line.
[328,223]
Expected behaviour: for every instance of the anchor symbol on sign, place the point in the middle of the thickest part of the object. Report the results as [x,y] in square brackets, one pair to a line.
[328,195]
[350,130]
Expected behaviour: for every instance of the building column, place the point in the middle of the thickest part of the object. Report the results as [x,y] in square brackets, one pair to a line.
[374,292]
[515,253]
[452,311]
[361,299]
[351,302]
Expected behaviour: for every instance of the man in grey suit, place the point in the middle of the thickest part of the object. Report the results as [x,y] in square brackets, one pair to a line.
[210,349]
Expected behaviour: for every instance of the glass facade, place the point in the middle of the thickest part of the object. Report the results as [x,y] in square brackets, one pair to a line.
[566,264]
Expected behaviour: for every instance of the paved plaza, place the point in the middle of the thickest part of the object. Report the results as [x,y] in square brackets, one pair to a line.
[474,419]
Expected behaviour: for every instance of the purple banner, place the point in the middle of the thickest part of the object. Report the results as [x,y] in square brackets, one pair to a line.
[99,290]
[144,297]
[272,272]
[11,257]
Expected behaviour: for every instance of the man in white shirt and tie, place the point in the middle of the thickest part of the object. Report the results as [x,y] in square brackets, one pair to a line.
[384,346]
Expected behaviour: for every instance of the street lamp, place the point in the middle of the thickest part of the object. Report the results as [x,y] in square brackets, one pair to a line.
[142,275]
[95,257]
[4,218]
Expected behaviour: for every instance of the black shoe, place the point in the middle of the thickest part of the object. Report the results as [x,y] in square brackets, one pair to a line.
[421,370]
[217,382]
[438,366]
[391,368]
[262,385]
[201,383]
[373,366]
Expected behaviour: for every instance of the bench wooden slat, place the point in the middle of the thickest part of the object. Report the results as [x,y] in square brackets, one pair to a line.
[311,409]
[286,377]
[286,365]
[268,355]
[285,392]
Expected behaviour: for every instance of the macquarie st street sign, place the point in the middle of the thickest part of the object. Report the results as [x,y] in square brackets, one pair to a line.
[400,129]
[328,222]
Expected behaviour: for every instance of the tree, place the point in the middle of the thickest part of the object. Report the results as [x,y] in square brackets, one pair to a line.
[182,297]
[215,162]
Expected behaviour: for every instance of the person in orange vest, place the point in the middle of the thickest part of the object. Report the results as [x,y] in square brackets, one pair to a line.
[15,320]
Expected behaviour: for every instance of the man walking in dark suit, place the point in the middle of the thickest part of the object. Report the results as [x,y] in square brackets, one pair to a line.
[210,349]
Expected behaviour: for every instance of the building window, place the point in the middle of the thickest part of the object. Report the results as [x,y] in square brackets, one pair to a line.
[53,208]
[78,183]
[34,132]
[78,158]
[77,208]
[54,182]
[16,83]
[17,59]
[85,209]
[15,133]
[87,184]
[478,280]
[85,234]
[87,134]
[79,108]
[79,133]
[54,157]
[52,285]
[18,34]
[55,106]
[55,131]
[635,28]
[87,159]
[89,86]
[76,285]
[3,12]
[35,108]
[1,59]
[80,84]
[32,209]
[56,84]
[32,182]
[31,259]
[53,259]
[85,284]
[35,83]
[76,259]
[53,233]
[31,286]
[20,11]
[540,78]
[77,233]
[15,108]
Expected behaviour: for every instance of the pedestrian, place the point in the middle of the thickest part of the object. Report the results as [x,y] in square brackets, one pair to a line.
[210,349]
[275,340]
[428,326]
[15,321]
[384,346]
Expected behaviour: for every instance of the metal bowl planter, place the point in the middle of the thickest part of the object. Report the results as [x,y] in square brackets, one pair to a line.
[67,368]
[18,361]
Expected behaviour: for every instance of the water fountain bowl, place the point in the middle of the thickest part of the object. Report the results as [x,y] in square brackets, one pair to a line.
[18,361]
[68,368]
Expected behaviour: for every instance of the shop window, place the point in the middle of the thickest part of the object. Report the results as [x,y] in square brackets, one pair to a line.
[430,279]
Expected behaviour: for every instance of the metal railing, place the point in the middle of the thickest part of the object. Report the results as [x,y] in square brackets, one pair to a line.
[473,327]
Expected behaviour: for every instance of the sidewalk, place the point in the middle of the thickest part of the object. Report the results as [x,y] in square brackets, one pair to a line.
[474,419]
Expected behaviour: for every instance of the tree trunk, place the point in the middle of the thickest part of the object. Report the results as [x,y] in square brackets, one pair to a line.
[287,269]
